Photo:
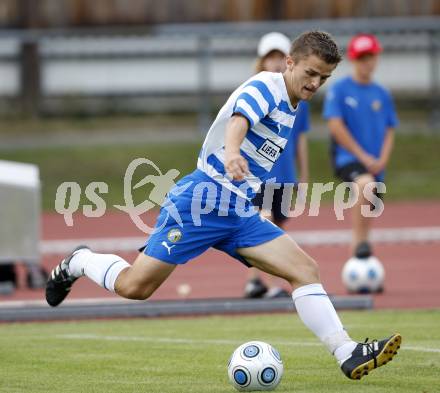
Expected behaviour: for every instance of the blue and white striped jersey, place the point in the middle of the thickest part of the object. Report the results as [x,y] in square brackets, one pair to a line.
[264,101]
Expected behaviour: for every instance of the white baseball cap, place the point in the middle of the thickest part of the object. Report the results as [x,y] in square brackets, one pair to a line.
[273,41]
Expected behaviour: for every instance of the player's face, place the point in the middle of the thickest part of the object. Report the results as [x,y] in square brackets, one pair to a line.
[274,61]
[365,65]
[307,75]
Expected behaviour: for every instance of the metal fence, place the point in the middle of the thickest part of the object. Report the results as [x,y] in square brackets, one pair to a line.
[186,66]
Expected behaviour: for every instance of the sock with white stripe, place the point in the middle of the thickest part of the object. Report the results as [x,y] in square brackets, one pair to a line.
[100,268]
[317,312]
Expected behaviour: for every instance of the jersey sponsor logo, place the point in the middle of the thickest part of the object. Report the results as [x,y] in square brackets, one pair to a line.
[351,101]
[270,150]
[376,105]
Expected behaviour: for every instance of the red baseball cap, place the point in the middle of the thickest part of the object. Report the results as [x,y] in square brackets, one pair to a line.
[362,44]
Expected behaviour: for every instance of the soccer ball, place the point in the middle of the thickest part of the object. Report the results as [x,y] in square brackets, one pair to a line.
[255,365]
[363,275]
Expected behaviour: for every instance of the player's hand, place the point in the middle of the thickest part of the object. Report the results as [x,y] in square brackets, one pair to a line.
[377,167]
[369,162]
[236,166]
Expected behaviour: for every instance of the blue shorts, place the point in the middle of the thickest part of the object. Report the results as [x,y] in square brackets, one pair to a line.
[189,223]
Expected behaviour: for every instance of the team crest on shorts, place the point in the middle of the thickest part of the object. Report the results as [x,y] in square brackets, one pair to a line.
[174,235]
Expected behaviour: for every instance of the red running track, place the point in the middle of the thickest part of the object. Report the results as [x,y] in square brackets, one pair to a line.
[412,269]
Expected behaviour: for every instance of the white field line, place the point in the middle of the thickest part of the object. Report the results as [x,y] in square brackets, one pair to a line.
[167,340]
[422,349]
[304,238]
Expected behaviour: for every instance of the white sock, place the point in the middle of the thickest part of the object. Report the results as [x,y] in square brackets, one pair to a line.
[101,268]
[317,312]
[344,352]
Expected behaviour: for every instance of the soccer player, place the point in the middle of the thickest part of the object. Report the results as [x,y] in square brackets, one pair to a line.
[272,51]
[361,118]
[244,141]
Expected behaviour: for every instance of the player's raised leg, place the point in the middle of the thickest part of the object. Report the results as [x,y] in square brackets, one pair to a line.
[137,281]
[142,279]
[282,257]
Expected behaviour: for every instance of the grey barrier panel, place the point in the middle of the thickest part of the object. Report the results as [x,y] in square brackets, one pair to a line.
[19,212]
[153,309]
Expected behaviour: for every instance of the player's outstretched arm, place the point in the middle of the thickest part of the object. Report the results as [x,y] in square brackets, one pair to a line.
[235,164]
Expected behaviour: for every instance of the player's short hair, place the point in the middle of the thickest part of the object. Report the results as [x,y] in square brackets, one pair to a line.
[318,43]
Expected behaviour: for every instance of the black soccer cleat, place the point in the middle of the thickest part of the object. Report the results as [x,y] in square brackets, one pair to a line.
[60,280]
[368,356]
[255,289]
[363,250]
[276,292]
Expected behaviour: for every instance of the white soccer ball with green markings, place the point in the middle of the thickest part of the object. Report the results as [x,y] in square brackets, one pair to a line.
[255,365]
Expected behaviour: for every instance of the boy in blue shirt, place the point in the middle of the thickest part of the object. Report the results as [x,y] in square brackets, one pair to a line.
[361,118]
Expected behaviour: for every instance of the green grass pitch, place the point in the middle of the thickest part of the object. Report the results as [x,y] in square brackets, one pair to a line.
[191,354]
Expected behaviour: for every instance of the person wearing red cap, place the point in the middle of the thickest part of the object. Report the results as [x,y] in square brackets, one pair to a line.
[361,118]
